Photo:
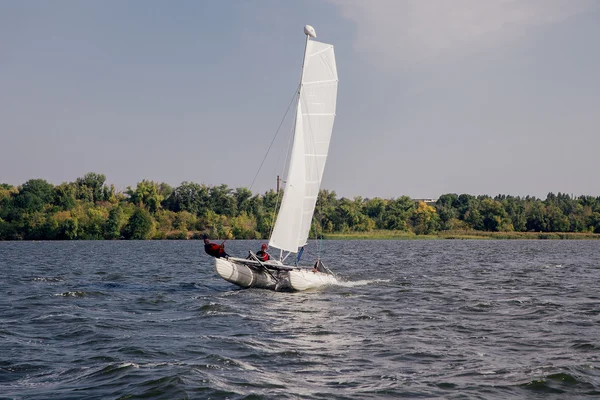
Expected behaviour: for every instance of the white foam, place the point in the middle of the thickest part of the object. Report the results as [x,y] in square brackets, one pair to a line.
[71,294]
[128,364]
[361,282]
[47,279]
[246,366]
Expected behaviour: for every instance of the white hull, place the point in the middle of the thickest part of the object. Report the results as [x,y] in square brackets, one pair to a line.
[248,274]
[243,275]
[304,279]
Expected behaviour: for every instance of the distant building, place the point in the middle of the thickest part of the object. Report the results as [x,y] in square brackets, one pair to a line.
[426,201]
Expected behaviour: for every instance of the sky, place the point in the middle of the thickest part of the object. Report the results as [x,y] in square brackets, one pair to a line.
[464,96]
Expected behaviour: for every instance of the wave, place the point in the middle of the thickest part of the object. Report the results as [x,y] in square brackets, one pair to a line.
[51,279]
[360,282]
[585,346]
[80,293]
[560,382]
[553,266]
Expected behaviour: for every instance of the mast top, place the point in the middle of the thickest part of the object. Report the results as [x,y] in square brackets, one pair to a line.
[310,31]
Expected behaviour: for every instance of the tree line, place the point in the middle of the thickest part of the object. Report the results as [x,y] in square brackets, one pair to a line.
[90,209]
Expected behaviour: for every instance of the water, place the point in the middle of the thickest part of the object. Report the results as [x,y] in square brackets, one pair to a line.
[415,319]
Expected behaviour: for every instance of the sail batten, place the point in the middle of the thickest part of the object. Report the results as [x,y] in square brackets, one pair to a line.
[315,114]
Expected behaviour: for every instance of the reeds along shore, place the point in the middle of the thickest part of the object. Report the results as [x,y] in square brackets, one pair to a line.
[462,234]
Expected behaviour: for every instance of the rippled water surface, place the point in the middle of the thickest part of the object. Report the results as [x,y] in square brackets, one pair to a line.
[421,319]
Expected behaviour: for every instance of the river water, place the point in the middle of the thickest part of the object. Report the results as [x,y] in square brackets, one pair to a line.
[446,319]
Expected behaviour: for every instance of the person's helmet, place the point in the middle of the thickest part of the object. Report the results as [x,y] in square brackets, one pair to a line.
[264,246]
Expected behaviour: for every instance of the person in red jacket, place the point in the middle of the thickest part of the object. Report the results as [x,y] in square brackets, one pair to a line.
[213,249]
[262,254]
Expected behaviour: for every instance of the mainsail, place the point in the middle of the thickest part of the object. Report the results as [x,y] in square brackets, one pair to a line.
[315,114]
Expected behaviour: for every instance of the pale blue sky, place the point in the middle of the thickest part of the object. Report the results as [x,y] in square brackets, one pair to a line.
[464,96]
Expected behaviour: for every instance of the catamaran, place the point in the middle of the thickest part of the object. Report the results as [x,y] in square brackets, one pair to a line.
[315,114]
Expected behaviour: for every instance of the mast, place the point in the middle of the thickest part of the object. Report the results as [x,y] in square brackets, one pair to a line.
[309,31]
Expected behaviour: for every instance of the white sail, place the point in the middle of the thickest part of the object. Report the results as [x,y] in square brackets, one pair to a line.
[314,123]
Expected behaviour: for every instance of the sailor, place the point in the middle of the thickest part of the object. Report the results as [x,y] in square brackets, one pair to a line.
[213,249]
[262,253]
[318,267]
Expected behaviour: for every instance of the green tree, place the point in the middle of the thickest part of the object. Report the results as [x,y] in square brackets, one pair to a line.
[184,220]
[140,226]
[69,229]
[92,224]
[165,190]
[271,201]
[114,223]
[217,225]
[515,209]
[244,227]
[147,194]
[34,195]
[375,210]
[264,220]
[91,187]
[398,212]
[593,222]
[473,217]
[465,204]
[577,219]
[589,201]
[424,219]
[346,215]
[7,209]
[64,196]
[324,211]
[34,225]
[494,217]
[364,224]
[190,197]
[222,201]
[8,231]
[537,220]
[39,188]
[165,219]
[109,193]
[243,198]
[557,221]
[446,210]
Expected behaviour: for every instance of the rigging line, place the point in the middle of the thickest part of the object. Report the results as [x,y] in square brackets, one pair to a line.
[274,137]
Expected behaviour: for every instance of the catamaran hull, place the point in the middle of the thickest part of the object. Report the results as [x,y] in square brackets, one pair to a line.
[252,276]
[244,275]
[304,279]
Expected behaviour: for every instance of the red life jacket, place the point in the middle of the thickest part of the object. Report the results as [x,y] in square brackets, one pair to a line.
[213,249]
[263,255]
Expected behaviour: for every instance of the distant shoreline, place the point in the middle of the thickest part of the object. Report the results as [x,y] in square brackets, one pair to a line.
[382,235]
[479,235]
[89,209]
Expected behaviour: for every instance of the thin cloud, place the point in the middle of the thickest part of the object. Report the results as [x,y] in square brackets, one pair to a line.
[426,30]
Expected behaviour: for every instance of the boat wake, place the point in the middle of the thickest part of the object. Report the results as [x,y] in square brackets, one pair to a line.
[360,283]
